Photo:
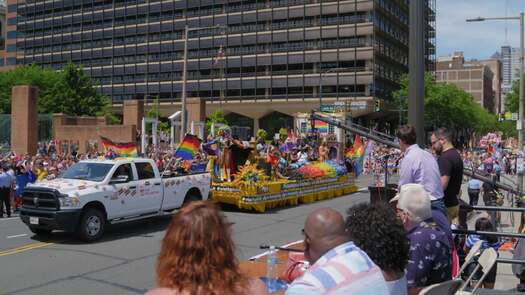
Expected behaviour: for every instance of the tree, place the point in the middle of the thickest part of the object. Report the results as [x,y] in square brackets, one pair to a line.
[512,98]
[69,90]
[448,106]
[153,112]
[73,94]
[215,118]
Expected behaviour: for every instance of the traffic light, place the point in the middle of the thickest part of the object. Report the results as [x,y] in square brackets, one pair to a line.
[376,106]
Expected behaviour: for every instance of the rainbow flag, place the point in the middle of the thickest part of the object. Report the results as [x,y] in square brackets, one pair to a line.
[357,150]
[322,127]
[128,149]
[188,148]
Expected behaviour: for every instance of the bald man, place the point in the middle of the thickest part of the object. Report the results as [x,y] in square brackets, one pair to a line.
[338,266]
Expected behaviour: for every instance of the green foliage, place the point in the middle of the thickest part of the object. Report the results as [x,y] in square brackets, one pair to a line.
[153,111]
[447,105]
[69,91]
[261,133]
[512,98]
[508,128]
[216,117]
[283,133]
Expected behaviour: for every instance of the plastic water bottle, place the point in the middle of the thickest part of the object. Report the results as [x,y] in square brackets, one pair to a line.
[271,269]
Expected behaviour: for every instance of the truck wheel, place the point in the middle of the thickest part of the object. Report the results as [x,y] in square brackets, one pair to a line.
[40,231]
[92,224]
[191,197]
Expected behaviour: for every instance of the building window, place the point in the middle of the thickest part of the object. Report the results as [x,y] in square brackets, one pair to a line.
[11,47]
[12,8]
[11,61]
[11,35]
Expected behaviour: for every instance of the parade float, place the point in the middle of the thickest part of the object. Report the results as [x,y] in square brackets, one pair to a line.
[254,188]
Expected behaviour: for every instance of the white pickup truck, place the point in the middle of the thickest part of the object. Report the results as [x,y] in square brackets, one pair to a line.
[92,193]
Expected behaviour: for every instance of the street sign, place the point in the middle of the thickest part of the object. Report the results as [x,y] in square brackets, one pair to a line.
[358,105]
[337,107]
[344,106]
[509,116]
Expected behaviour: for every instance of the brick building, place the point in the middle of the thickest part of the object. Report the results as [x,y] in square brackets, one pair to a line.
[474,77]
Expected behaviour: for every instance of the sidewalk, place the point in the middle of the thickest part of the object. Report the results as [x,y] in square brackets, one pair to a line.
[505,279]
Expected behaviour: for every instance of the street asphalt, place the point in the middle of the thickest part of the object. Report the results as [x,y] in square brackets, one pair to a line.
[123,262]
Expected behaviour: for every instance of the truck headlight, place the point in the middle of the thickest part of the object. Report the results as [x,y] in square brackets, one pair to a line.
[67,201]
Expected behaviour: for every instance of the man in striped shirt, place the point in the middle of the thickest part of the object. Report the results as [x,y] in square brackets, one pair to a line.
[338,266]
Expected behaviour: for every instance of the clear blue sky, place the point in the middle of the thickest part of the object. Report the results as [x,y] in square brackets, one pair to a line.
[478,39]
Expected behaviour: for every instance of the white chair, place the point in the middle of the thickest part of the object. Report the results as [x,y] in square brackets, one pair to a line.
[473,252]
[444,288]
[486,261]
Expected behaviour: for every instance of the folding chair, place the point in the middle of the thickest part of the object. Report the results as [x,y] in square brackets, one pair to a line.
[486,261]
[444,288]
[473,251]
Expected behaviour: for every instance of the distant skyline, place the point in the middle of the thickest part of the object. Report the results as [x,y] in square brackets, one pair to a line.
[478,40]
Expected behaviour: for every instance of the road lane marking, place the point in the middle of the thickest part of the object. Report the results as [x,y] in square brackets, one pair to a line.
[16,236]
[24,248]
[9,218]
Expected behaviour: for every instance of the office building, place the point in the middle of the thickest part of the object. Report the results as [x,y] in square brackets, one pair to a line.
[495,66]
[3,24]
[266,61]
[474,77]
[510,59]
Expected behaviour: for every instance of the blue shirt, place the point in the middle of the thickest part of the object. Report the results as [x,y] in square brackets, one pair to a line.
[472,239]
[346,269]
[474,184]
[429,256]
[419,166]
[22,180]
[5,180]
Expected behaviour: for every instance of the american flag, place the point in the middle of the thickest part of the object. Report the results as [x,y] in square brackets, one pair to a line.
[219,57]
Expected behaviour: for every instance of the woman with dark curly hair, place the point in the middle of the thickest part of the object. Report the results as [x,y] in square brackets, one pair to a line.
[377,231]
[197,256]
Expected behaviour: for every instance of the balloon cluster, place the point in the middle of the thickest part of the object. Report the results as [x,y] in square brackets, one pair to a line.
[321,169]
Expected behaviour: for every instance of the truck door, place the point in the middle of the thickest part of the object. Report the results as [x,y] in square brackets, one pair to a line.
[123,188]
[149,188]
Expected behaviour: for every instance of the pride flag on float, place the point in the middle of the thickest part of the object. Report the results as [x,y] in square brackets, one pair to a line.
[357,150]
[122,149]
[357,153]
[322,127]
[188,148]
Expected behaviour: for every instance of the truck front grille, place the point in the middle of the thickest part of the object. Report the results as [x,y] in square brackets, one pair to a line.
[40,199]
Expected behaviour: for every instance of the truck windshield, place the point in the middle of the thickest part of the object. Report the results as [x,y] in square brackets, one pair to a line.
[88,171]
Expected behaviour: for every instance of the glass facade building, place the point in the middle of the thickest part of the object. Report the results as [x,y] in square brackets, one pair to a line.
[262,50]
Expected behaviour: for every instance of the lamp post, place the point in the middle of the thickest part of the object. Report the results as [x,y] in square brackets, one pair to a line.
[332,70]
[187,30]
[519,125]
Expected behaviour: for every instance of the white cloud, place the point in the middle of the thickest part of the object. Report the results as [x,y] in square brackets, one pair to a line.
[477,39]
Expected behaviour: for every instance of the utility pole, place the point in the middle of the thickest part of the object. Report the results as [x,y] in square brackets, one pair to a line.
[183,126]
[416,86]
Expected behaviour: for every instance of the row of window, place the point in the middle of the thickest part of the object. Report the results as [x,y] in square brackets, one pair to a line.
[388,49]
[282,69]
[167,13]
[207,53]
[395,9]
[61,45]
[260,93]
